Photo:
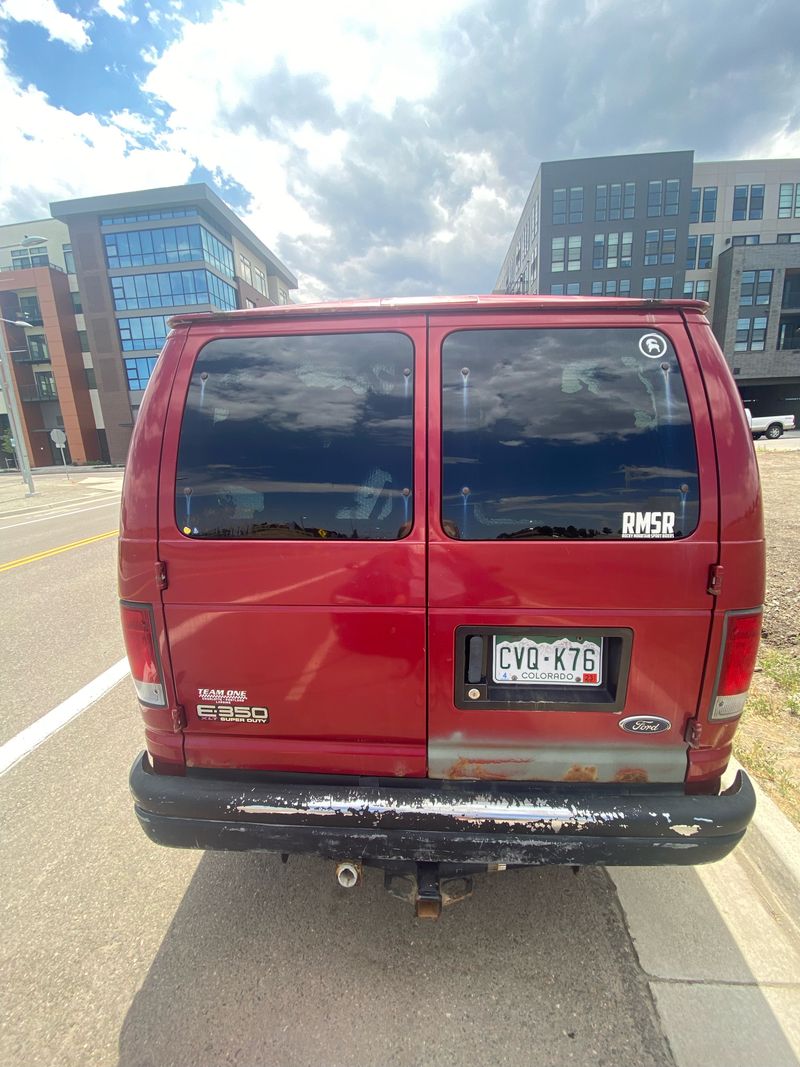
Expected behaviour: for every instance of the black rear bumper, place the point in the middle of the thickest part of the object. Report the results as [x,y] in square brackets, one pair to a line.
[445,822]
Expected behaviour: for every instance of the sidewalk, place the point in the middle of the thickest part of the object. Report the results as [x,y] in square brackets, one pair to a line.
[724,974]
[56,488]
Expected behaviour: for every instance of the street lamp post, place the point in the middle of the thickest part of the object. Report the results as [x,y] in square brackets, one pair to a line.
[14,418]
[9,392]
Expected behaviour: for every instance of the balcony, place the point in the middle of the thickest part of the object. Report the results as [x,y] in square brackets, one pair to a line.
[36,352]
[33,393]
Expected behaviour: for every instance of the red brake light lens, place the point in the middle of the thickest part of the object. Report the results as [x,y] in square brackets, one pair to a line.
[742,636]
[138,631]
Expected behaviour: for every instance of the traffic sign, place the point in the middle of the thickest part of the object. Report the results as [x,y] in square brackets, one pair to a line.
[58,437]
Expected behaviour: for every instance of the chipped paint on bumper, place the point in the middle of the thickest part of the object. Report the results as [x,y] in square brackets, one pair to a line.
[476,823]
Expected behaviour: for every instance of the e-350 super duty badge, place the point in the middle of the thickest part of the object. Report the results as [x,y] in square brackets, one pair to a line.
[249,715]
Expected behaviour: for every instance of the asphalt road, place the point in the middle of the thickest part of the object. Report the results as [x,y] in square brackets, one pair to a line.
[117,951]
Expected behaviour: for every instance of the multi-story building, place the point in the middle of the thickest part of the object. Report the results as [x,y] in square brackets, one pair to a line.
[97,283]
[49,363]
[141,257]
[660,225]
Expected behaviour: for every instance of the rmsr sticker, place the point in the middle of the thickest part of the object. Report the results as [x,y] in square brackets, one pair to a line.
[652,525]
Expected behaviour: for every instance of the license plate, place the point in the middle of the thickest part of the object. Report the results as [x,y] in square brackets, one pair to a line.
[547,659]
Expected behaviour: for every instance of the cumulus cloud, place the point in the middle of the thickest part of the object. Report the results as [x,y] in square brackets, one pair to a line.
[48,153]
[59,25]
[117,10]
[393,154]
[389,150]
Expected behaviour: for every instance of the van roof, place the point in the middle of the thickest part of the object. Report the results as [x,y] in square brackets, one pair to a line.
[490,302]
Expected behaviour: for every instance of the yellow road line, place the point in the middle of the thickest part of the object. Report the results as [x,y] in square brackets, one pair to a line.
[55,551]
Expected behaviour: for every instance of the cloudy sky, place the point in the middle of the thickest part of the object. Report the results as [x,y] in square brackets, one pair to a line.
[379,148]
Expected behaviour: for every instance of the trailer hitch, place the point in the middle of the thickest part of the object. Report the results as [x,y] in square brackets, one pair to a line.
[426,890]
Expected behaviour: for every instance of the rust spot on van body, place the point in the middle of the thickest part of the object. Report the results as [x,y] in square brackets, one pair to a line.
[498,770]
[579,772]
[631,774]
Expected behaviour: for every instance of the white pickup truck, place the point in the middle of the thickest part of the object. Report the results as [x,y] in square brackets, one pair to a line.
[772,426]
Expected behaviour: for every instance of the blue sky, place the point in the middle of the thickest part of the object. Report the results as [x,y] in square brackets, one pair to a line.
[379,148]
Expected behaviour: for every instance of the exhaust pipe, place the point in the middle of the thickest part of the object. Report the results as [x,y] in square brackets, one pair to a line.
[348,874]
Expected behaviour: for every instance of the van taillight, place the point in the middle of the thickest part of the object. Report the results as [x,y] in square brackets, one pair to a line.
[138,631]
[739,649]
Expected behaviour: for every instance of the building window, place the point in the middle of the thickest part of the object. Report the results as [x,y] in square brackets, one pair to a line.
[612,260]
[668,244]
[576,204]
[170,244]
[151,216]
[37,348]
[745,239]
[659,247]
[246,269]
[710,204]
[23,258]
[691,253]
[788,238]
[179,288]
[756,210]
[30,311]
[655,194]
[629,204]
[283,296]
[559,206]
[748,202]
[651,243]
[77,306]
[574,253]
[624,287]
[702,289]
[597,288]
[611,287]
[614,201]
[665,288]
[139,370]
[574,289]
[756,288]
[751,334]
[599,251]
[83,337]
[557,246]
[69,259]
[672,197]
[259,281]
[688,290]
[557,289]
[789,201]
[146,332]
[600,203]
[248,303]
[626,249]
[706,253]
[694,204]
[649,288]
[91,380]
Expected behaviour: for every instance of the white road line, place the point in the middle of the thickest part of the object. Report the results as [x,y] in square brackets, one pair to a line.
[60,515]
[32,736]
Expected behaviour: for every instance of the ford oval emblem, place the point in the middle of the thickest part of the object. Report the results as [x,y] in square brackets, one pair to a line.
[645,724]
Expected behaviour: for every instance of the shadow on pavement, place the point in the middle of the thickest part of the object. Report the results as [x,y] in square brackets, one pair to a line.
[272,964]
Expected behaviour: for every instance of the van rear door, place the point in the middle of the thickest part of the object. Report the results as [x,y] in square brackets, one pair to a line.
[573,523]
[292,528]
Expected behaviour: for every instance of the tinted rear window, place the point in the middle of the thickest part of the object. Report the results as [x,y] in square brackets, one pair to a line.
[298,437]
[566,434]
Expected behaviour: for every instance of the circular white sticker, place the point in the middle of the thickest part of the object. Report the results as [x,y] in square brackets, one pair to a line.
[653,345]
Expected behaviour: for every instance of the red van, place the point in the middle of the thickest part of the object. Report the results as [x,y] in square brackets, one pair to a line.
[443,585]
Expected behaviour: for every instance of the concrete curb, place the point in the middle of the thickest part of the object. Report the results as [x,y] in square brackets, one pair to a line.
[772,847]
